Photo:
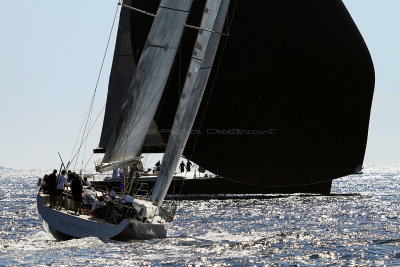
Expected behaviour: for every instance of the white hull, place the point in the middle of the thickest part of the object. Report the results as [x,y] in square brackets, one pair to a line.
[63,226]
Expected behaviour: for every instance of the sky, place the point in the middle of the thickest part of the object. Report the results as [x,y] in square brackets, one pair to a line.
[50,58]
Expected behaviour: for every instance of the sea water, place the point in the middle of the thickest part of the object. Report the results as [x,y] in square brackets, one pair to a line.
[357,225]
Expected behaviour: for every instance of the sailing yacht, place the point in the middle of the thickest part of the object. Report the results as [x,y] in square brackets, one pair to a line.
[276,95]
[149,220]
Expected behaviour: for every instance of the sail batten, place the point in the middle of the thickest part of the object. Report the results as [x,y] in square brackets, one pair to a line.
[203,54]
[148,83]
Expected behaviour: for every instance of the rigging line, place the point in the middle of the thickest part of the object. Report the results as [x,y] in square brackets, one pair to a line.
[83,134]
[79,133]
[100,72]
[84,150]
[206,30]
[91,128]
[186,25]
[138,10]
[84,168]
[101,67]
[146,158]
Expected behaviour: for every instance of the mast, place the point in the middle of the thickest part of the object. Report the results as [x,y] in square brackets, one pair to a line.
[147,85]
[199,70]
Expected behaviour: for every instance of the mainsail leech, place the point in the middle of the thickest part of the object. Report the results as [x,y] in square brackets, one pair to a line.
[148,83]
[196,81]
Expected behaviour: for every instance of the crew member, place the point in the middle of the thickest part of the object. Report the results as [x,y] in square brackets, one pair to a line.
[188,165]
[61,183]
[182,166]
[158,165]
[86,182]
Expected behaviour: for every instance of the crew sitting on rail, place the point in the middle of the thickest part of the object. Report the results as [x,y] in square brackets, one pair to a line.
[110,196]
[86,182]
[98,208]
[127,200]
[88,197]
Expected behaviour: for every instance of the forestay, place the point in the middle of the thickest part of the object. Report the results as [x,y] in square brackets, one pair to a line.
[147,85]
[195,84]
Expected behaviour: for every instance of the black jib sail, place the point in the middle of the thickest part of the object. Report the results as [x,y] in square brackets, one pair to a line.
[289,96]
[290,102]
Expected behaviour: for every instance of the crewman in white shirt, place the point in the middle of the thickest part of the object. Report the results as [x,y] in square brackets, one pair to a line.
[86,182]
[61,183]
[110,194]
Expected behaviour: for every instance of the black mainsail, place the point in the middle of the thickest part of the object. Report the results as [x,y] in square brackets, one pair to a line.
[147,86]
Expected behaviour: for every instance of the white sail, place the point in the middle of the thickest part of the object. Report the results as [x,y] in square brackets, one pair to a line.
[195,84]
[148,84]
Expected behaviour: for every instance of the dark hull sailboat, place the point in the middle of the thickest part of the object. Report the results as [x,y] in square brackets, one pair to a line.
[215,187]
[287,103]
